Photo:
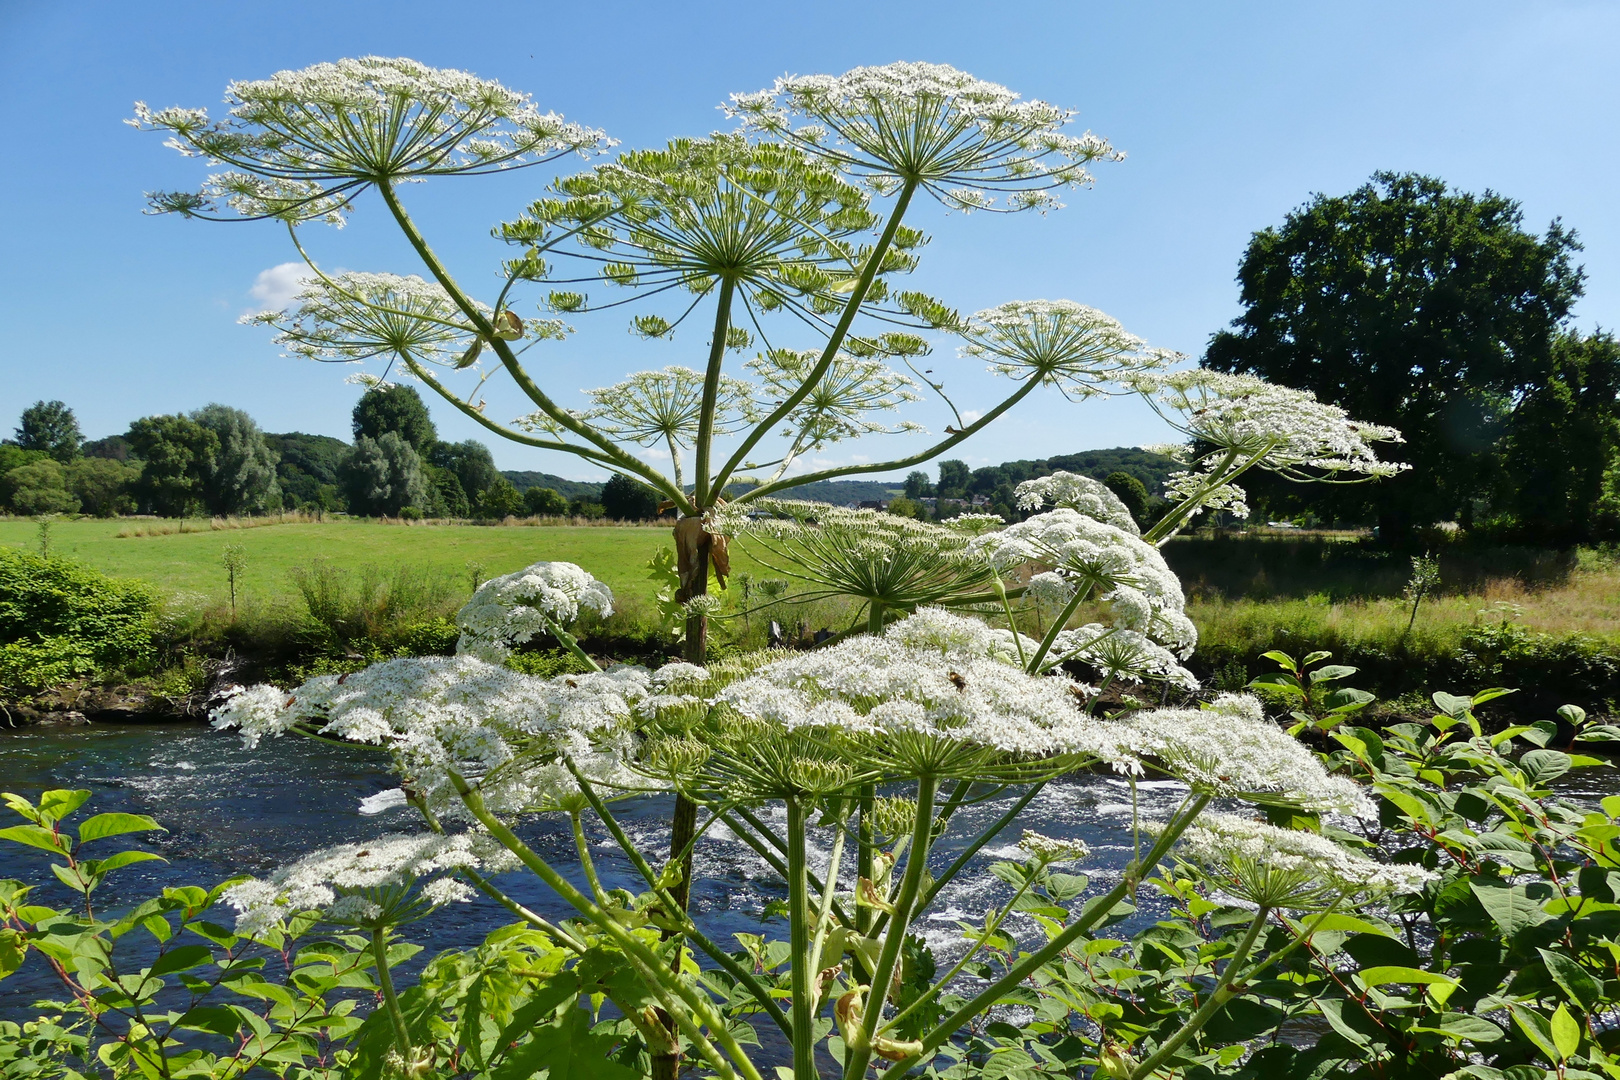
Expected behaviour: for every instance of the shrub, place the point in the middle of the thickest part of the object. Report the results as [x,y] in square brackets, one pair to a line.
[60,620]
[39,488]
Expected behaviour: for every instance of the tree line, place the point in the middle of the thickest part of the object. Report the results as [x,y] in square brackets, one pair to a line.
[217,461]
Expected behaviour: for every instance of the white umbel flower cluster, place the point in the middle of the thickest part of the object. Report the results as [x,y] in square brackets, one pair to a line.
[353,317]
[1119,654]
[439,714]
[1286,868]
[934,677]
[1060,343]
[1047,850]
[1115,565]
[385,881]
[1082,494]
[512,609]
[967,141]
[1185,484]
[1230,750]
[301,145]
[1300,437]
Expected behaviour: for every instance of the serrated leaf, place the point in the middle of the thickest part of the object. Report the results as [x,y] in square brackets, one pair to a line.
[104,825]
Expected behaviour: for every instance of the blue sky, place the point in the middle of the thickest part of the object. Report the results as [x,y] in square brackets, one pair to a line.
[1231,114]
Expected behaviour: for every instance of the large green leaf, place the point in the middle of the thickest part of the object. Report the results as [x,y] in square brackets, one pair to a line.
[104,825]
[34,836]
[1543,766]
[181,959]
[1509,905]
[58,804]
[1573,979]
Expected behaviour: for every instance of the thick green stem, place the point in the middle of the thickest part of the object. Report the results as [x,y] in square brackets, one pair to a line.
[835,860]
[860,1053]
[385,981]
[802,978]
[711,395]
[874,617]
[678,912]
[835,340]
[1093,914]
[865,847]
[1034,666]
[430,259]
[979,841]
[647,962]
[1218,997]
[571,643]
[941,983]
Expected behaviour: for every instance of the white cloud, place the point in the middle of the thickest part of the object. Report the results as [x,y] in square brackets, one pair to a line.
[656,454]
[275,288]
[971,415]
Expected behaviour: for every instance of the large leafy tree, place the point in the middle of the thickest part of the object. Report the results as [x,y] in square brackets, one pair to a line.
[242,479]
[389,407]
[1561,439]
[178,456]
[1411,305]
[383,476]
[50,426]
[623,499]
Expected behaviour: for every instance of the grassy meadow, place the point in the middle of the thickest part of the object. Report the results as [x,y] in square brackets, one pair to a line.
[1501,616]
[189,561]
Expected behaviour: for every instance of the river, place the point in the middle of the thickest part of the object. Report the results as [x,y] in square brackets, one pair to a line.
[231,810]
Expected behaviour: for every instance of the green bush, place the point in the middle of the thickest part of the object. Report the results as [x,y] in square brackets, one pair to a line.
[60,620]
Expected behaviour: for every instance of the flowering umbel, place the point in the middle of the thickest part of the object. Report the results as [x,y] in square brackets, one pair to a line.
[965,141]
[301,145]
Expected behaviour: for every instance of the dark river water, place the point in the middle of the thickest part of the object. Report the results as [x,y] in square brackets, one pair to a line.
[230,810]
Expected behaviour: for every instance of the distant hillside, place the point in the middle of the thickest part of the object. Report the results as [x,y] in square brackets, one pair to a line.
[1151,469]
[843,492]
[569,489]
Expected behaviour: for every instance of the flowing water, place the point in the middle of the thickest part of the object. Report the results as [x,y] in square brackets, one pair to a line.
[230,810]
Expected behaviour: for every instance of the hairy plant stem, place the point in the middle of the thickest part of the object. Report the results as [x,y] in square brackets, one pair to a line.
[679,914]
[1092,914]
[1218,997]
[860,1053]
[701,495]
[618,458]
[1080,594]
[647,963]
[802,978]
[385,982]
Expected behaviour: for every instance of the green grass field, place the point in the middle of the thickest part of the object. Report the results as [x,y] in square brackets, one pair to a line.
[190,562]
[1587,601]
